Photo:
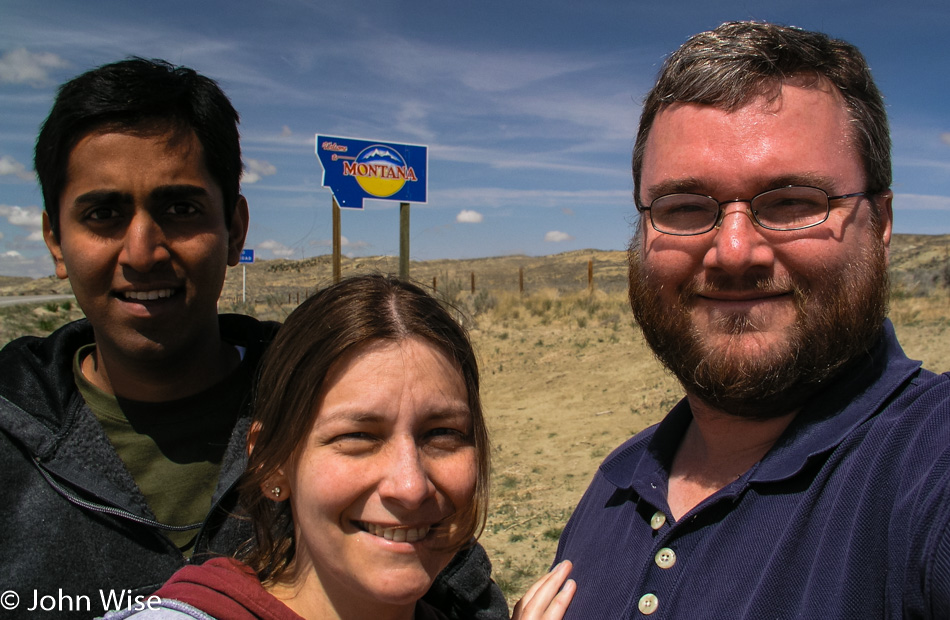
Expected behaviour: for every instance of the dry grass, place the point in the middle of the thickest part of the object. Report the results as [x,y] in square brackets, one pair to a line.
[36,319]
[566,379]
[566,376]
[933,309]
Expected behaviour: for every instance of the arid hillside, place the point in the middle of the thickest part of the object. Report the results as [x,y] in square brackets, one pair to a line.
[566,375]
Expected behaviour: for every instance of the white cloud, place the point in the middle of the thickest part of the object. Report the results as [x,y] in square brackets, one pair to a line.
[506,160]
[488,71]
[276,248]
[344,242]
[556,236]
[30,218]
[352,245]
[20,66]
[411,119]
[466,216]
[921,201]
[488,197]
[10,166]
[16,264]
[256,169]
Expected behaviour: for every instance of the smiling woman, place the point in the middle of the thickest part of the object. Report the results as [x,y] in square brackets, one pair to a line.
[368,469]
[383,488]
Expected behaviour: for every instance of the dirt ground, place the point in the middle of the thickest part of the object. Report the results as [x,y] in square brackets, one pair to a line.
[562,388]
[566,376]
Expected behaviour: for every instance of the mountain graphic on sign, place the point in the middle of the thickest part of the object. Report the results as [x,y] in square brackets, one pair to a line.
[381,153]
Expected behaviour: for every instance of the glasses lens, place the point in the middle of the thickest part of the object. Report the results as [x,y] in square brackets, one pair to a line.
[790,208]
[684,214]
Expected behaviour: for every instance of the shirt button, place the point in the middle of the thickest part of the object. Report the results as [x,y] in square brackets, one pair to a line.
[657,520]
[647,604]
[665,558]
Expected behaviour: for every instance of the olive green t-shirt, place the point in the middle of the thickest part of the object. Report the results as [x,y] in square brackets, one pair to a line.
[173,449]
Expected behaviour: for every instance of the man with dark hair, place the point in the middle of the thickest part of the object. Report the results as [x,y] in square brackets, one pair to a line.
[122,436]
[805,473]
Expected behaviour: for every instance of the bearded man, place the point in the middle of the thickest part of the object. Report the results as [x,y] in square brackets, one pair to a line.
[805,473]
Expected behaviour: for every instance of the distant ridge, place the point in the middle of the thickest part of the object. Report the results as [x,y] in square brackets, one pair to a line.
[918,264]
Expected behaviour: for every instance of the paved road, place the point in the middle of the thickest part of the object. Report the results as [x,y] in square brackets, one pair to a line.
[32,299]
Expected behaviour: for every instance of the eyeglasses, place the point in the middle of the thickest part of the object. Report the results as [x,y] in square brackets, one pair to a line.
[793,207]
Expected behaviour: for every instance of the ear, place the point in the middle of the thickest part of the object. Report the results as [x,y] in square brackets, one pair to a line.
[237,233]
[885,211]
[55,249]
[252,434]
[276,487]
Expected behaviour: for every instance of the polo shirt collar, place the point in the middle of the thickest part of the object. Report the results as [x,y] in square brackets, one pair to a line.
[825,420]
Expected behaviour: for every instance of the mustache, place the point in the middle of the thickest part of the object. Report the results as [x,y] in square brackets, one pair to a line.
[745,284]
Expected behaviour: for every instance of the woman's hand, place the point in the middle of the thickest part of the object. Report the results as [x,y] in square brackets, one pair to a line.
[549,597]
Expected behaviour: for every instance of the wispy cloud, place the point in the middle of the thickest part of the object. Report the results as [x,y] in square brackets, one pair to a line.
[918,201]
[276,248]
[506,159]
[30,218]
[411,120]
[481,197]
[413,61]
[352,245]
[11,167]
[344,242]
[20,66]
[256,169]
[13,262]
[917,162]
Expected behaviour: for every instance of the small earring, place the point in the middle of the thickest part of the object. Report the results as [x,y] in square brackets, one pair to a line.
[275,491]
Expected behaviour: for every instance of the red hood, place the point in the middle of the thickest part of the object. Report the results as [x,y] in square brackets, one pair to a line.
[226,589]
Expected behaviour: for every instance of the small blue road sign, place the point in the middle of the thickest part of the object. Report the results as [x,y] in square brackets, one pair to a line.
[247,256]
[355,169]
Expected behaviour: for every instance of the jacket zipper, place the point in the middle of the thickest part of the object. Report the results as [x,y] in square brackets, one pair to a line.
[109,510]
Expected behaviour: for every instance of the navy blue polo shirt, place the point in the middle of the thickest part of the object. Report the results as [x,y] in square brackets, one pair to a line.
[845,517]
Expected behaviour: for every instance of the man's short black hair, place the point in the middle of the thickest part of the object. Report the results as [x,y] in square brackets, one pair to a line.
[139,94]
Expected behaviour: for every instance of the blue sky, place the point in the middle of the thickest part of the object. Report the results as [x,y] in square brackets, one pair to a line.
[528,108]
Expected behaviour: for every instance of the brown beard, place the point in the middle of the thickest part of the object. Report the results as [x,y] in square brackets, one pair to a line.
[839,316]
